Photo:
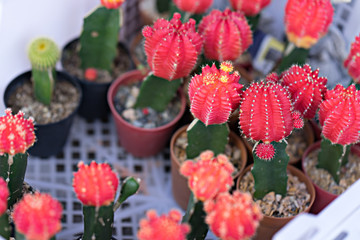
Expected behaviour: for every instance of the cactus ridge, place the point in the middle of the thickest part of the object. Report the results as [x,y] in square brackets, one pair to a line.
[214,94]
[339,115]
[193,6]
[226,35]
[307,21]
[43,53]
[352,62]
[171,47]
[249,8]
[266,112]
[306,87]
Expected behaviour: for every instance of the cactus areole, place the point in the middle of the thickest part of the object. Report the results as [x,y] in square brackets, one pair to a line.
[215,93]
[226,35]
[172,47]
[307,21]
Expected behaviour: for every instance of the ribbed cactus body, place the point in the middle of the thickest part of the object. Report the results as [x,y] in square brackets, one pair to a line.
[226,35]
[306,87]
[172,47]
[193,6]
[249,8]
[307,21]
[266,112]
[215,93]
[352,62]
[339,115]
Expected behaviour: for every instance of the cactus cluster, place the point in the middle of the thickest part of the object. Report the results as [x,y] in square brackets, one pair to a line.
[96,186]
[226,35]
[249,8]
[43,54]
[352,62]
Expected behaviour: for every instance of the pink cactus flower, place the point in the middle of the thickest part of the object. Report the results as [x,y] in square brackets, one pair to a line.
[4,194]
[339,115]
[306,87]
[214,94]
[95,184]
[226,35]
[16,133]
[172,47]
[38,216]
[307,21]
[234,216]
[208,176]
[266,112]
[193,6]
[164,227]
[112,4]
[249,8]
[352,62]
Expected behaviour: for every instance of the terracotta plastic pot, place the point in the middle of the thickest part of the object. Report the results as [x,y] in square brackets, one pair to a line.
[180,189]
[140,142]
[270,225]
[323,197]
[51,137]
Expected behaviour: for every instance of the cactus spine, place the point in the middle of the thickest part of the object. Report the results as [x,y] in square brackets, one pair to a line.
[43,54]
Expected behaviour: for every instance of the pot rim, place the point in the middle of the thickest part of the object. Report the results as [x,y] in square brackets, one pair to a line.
[134,74]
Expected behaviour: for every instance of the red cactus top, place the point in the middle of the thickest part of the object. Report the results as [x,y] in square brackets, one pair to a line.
[208,176]
[306,87]
[193,6]
[352,62]
[95,184]
[4,194]
[38,216]
[307,21]
[215,93]
[233,216]
[172,47]
[112,4]
[226,35]
[163,227]
[16,133]
[249,8]
[339,115]
[266,112]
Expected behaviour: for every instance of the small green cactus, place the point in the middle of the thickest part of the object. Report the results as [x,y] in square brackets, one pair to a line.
[43,54]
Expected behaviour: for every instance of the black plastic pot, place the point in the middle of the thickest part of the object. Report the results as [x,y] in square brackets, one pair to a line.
[94,102]
[51,137]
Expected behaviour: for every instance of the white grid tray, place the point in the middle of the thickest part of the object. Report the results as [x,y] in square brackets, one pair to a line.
[98,141]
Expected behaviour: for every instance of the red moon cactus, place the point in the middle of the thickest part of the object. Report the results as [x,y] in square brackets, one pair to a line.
[193,6]
[352,62]
[112,4]
[249,8]
[307,21]
[226,35]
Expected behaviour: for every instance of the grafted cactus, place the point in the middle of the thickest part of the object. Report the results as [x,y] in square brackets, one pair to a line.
[339,116]
[267,117]
[16,136]
[100,35]
[43,54]
[352,62]
[306,87]
[95,186]
[226,35]
[193,6]
[305,23]
[249,8]
[172,49]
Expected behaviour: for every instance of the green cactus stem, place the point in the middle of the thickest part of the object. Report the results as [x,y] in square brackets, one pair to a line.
[292,55]
[195,216]
[98,222]
[129,187]
[12,170]
[164,90]
[43,54]
[253,21]
[201,137]
[271,175]
[332,157]
[99,38]
[5,226]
